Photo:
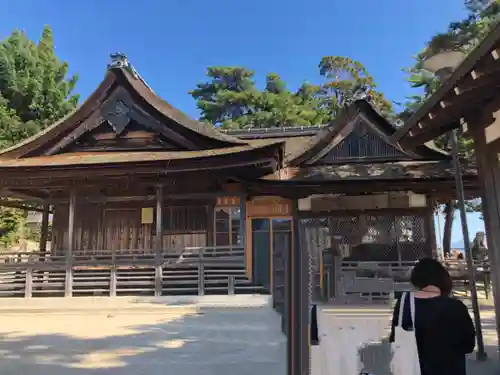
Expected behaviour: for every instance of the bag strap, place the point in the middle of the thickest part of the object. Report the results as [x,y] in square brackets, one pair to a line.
[412,309]
[402,308]
[402,305]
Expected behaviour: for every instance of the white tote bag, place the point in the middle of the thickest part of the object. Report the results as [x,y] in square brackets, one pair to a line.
[404,348]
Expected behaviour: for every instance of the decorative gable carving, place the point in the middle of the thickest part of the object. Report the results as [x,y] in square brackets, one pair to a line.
[362,142]
[118,116]
[124,117]
[116,137]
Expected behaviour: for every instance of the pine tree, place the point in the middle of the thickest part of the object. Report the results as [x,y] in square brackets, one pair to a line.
[34,92]
[230,99]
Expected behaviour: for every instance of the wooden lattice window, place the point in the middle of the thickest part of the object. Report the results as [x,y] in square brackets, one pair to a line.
[227,226]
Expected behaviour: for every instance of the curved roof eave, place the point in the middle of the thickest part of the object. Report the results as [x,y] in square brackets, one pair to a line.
[113,78]
[64,124]
[95,159]
[139,86]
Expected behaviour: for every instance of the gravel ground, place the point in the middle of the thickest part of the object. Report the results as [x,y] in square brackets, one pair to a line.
[185,338]
[209,335]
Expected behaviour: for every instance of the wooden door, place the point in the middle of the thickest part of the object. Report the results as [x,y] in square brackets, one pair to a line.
[261,252]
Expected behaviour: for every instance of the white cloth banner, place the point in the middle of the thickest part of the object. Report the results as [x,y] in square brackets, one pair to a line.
[341,340]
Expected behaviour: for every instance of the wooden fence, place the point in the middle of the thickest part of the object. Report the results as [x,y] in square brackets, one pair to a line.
[197,270]
[380,280]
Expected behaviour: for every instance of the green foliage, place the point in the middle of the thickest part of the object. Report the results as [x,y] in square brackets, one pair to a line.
[230,99]
[10,222]
[34,88]
[346,81]
[35,91]
[33,232]
[461,35]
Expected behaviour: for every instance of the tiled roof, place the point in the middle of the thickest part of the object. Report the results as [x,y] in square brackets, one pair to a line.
[379,171]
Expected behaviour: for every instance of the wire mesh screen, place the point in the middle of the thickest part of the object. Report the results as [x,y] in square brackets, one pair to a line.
[364,238]
[316,238]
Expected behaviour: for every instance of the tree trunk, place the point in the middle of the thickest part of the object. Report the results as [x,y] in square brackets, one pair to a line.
[449,215]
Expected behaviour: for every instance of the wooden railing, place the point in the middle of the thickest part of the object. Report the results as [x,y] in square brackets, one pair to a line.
[196,270]
[188,254]
[383,279]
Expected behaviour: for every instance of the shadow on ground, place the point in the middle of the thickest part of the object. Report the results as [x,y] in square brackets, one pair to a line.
[206,342]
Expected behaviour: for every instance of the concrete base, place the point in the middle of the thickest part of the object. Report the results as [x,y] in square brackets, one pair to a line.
[238,335]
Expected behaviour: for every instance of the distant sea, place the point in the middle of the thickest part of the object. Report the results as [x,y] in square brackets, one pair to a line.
[459,249]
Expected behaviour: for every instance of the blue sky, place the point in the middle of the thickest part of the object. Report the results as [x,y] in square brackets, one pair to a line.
[172,42]
[474,223]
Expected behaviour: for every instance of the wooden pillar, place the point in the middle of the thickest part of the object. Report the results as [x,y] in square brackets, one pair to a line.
[45,228]
[159,242]
[397,227]
[298,359]
[68,285]
[243,220]
[211,222]
[28,286]
[489,177]
[430,231]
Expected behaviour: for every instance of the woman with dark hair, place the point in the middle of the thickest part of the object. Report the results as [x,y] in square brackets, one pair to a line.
[443,327]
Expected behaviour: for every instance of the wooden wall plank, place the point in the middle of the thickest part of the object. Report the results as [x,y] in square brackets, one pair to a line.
[105,227]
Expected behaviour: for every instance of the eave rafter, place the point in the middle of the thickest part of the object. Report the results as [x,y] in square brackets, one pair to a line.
[473,85]
[476,88]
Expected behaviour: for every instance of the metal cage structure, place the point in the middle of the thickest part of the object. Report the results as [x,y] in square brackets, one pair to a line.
[361,242]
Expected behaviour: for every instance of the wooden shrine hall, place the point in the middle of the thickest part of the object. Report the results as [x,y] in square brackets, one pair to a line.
[146,200]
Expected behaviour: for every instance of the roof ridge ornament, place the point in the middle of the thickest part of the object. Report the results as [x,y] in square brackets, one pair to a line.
[120,61]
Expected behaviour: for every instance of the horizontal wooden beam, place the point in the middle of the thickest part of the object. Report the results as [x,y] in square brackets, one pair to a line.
[304,189]
[141,198]
[174,183]
[21,205]
[27,179]
[422,211]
